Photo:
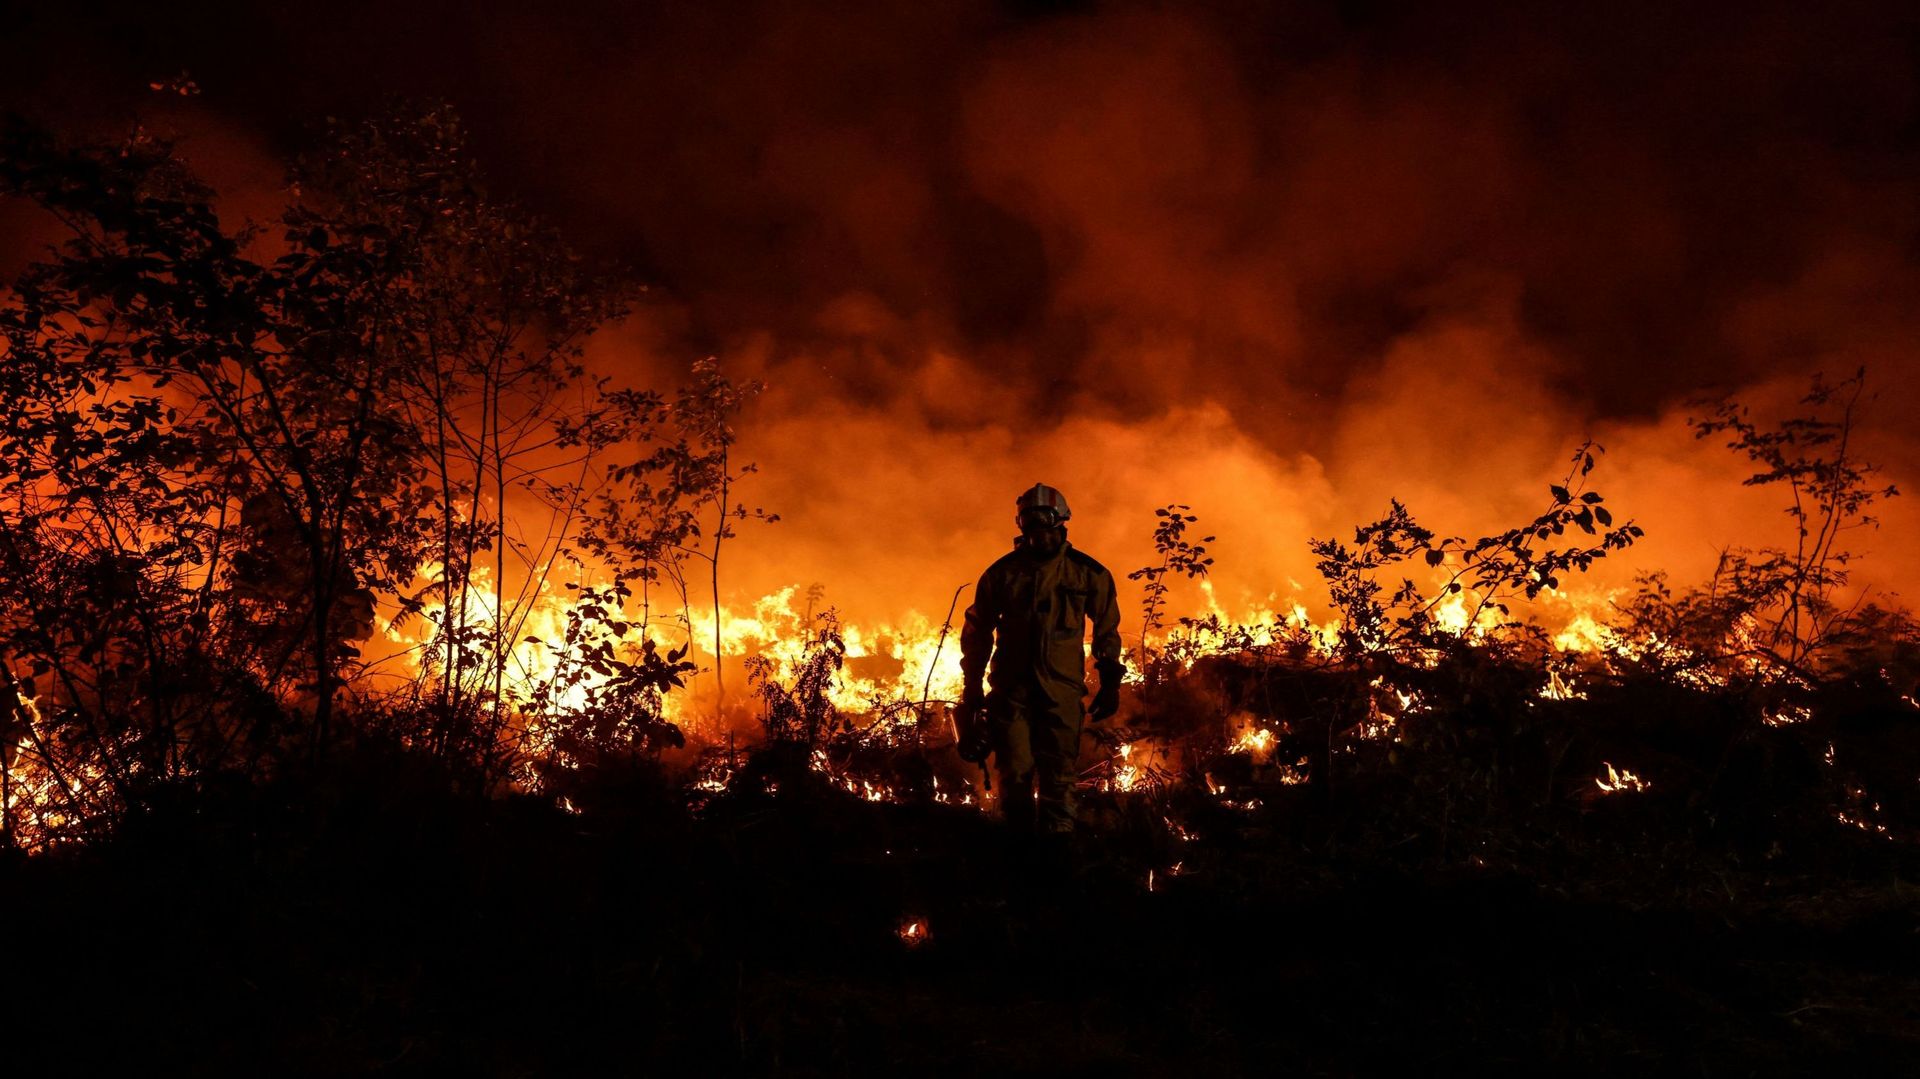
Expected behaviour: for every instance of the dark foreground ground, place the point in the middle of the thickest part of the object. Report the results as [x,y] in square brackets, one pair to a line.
[372,928]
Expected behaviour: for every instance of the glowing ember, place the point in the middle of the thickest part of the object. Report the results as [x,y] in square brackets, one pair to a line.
[946,796]
[1618,780]
[1559,688]
[913,932]
[1255,743]
[866,789]
[1787,715]
[1867,826]
[1385,706]
[1125,779]
[1124,774]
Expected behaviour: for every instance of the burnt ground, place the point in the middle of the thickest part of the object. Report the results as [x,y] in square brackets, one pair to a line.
[378,927]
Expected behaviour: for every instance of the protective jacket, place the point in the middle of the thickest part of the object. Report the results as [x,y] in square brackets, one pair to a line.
[1030,615]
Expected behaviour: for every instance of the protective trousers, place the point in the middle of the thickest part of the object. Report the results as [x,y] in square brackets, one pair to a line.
[1036,751]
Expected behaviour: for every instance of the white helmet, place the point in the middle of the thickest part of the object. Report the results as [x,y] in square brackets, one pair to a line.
[1042,497]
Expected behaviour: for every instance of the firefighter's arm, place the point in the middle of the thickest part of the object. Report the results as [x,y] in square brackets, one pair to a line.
[1105,613]
[976,634]
[976,647]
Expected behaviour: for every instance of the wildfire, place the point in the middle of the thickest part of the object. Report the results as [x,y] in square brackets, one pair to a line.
[555,642]
[1585,633]
[888,671]
[889,668]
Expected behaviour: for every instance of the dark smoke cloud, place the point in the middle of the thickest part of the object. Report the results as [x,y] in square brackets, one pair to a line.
[1281,191]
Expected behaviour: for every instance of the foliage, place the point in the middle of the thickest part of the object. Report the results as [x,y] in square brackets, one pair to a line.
[1520,561]
[481,317]
[123,495]
[603,698]
[1178,556]
[802,715]
[1778,606]
[645,524]
[235,453]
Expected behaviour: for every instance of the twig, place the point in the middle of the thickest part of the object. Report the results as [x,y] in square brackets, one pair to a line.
[926,691]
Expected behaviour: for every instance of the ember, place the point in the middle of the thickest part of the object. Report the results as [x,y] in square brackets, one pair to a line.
[1257,744]
[913,932]
[1616,781]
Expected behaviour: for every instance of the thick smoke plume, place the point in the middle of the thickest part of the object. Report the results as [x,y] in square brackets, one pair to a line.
[1277,265]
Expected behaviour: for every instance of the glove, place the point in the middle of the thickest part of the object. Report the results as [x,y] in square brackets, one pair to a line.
[1106,702]
[976,742]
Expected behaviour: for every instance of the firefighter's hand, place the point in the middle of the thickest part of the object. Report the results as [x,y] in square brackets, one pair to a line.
[972,700]
[1106,702]
[977,744]
[976,741]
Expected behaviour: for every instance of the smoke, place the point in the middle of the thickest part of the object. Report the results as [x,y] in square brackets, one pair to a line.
[1277,265]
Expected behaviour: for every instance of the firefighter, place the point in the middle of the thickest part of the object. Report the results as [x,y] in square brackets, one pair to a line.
[1029,614]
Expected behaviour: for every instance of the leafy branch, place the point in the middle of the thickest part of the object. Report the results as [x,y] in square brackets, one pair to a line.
[1179,556]
[1493,569]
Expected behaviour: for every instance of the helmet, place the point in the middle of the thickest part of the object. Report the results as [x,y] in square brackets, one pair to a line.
[1042,497]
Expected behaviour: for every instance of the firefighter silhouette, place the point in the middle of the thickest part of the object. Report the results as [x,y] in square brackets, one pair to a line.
[1028,623]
